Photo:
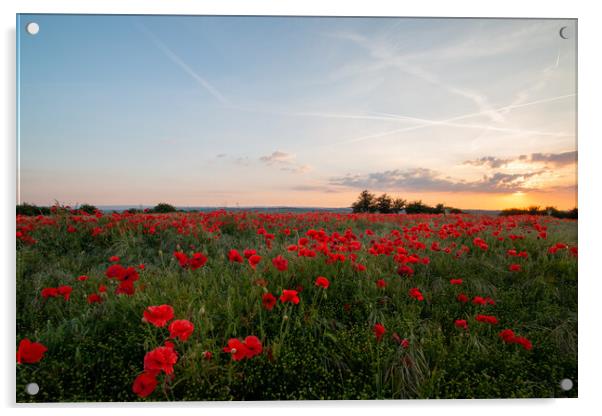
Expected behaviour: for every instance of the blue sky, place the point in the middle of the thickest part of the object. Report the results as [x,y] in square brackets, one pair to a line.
[193,110]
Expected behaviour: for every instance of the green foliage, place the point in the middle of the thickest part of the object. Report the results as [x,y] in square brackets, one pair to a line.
[32,210]
[163,208]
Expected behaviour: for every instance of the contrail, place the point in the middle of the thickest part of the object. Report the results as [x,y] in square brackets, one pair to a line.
[449,121]
[184,66]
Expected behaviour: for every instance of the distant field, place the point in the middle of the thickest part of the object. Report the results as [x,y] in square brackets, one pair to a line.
[280,306]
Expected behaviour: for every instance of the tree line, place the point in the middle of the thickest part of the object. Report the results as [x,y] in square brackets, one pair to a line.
[368,202]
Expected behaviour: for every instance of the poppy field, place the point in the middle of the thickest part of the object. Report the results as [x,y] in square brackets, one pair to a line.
[244,305]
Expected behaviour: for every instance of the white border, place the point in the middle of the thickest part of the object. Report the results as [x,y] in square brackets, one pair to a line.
[589,197]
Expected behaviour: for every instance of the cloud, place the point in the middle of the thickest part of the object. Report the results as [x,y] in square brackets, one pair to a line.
[548,159]
[427,180]
[285,161]
[277,157]
[556,159]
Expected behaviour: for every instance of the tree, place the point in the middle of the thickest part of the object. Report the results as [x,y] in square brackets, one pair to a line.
[163,208]
[88,209]
[364,203]
[439,209]
[398,205]
[384,204]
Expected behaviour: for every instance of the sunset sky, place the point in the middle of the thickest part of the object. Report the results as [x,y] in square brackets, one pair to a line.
[260,111]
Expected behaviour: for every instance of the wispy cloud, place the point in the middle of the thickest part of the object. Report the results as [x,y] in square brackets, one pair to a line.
[173,57]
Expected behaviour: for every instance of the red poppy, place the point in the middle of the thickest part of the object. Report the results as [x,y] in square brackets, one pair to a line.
[381,283]
[405,270]
[323,282]
[455,281]
[514,268]
[181,329]
[234,256]
[254,260]
[268,300]
[125,287]
[416,294]
[462,298]
[207,355]
[507,335]
[50,292]
[114,259]
[236,348]
[479,300]
[158,315]
[280,263]
[115,270]
[82,278]
[30,352]
[197,260]
[405,343]
[141,266]
[102,288]
[524,342]
[488,319]
[379,330]
[461,323]
[289,296]
[145,384]
[253,346]
[249,252]
[94,298]
[181,257]
[160,359]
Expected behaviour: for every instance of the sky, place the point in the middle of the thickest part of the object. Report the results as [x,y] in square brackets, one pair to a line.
[296,111]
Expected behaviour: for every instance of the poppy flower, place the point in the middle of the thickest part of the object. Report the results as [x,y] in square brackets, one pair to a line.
[479,300]
[524,342]
[158,315]
[253,346]
[145,384]
[405,343]
[234,256]
[514,268]
[102,288]
[129,274]
[94,298]
[254,260]
[30,352]
[455,281]
[115,271]
[207,355]
[507,335]
[379,330]
[125,287]
[405,270]
[249,252]
[197,260]
[462,298]
[49,292]
[488,319]
[268,300]
[181,329]
[181,257]
[114,259]
[289,296]
[82,278]
[236,348]
[160,359]
[381,283]
[461,323]
[280,263]
[141,266]
[416,294]
[322,282]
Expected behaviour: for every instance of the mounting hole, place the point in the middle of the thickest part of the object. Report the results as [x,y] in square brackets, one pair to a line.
[566,384]
[32,389]
[32,28]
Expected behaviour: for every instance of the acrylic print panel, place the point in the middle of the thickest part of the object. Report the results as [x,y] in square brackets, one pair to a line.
[293,208]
